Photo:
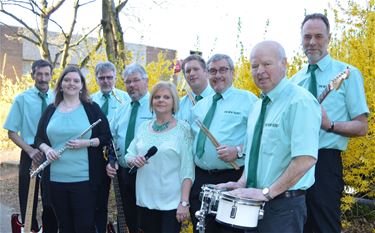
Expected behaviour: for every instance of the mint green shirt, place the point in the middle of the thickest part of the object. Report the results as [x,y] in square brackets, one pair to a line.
[114,104]
[73,166]
[228,125]
[25,113]
[121,120]
[344,104]
[185,104]
[291,129]
[158,183]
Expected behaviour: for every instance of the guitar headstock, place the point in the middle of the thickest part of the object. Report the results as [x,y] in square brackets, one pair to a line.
[336,82]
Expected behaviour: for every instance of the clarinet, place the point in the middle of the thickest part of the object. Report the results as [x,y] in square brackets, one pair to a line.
[61,150]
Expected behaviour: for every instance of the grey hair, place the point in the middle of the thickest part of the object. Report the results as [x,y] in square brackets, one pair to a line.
[105,66]
[134,68]
[219,57]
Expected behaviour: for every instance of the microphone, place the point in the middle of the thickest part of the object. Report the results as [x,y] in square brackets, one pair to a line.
[148,155]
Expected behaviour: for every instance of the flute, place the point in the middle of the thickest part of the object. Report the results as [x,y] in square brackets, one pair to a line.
[61,150]
[213,140]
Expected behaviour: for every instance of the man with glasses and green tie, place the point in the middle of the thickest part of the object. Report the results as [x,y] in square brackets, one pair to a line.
[282,144]
[111,100]
[224,113]
[21,124]
[344,115]
[195,72]
[124,126]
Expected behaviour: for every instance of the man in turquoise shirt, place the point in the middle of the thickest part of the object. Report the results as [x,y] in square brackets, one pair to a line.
[228,125]
[136,82]
[111,100]
[285,162]
[21,124]
[195,71]
[344,115]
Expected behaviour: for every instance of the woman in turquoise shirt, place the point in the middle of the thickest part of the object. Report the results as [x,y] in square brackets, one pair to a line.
[74,175]
[163,181]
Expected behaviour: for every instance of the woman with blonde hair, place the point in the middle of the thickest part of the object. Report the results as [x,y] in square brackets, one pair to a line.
[164,180]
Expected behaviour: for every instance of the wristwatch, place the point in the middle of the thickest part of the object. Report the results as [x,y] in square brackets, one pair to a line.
[266,193]
[184,204]
[239,152]
[332,127]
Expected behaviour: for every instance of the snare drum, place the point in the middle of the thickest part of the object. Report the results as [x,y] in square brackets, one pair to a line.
[238,212]
[209,196]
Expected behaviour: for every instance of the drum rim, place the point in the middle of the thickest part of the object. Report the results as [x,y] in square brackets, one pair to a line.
[239,200]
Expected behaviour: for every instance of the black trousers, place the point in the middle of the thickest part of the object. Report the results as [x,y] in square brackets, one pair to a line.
[283,215]
[48,216]
[210,177]
[127,189]
[158,221]
[101,212]
[74,205]
[323,198]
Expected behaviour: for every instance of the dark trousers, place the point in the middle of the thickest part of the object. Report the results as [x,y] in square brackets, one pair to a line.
[213,177]
[158,221]
[48,216]
[323,198]
[127,189]
[283,215]
[74,205]
[101,212]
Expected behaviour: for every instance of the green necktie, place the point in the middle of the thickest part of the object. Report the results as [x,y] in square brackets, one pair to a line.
[43,96]
[131,125]
[312,85]
[255,145]
[207,122]
[105,104]
[198,97]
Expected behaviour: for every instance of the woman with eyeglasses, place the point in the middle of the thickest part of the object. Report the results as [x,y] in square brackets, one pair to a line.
[164,180]
[74,176]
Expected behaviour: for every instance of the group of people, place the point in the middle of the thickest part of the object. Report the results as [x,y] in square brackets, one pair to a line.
[283,148]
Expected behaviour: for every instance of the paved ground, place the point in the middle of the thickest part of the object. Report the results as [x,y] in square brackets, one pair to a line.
[5,213]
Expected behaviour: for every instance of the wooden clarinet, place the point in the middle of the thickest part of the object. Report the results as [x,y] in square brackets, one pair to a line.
[61,150]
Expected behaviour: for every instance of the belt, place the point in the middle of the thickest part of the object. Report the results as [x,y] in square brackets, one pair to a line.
[290,193]
[217,171]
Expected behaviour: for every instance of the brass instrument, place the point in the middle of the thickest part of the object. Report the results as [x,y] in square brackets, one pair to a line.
[213,140]
[61,150]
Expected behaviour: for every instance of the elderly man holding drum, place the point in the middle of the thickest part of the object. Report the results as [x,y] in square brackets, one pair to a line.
[282,146]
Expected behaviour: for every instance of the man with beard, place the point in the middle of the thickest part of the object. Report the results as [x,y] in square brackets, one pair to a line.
[124,126]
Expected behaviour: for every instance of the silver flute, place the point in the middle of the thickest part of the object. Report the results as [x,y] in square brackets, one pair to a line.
[61,150]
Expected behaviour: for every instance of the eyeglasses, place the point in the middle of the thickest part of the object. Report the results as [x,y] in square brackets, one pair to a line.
[128,82]
[101,78]
[222,70]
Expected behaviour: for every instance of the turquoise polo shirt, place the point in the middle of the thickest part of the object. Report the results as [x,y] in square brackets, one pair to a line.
[228,125]
[114,104]
[25,113]
[184,113]
[291,129]
[344,104]
[121,121]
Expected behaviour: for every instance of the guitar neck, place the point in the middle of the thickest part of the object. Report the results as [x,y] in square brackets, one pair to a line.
[325,93]
[120,211]
[30,205]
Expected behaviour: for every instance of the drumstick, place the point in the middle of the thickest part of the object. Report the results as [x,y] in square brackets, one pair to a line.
[187,88]
[213,140]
